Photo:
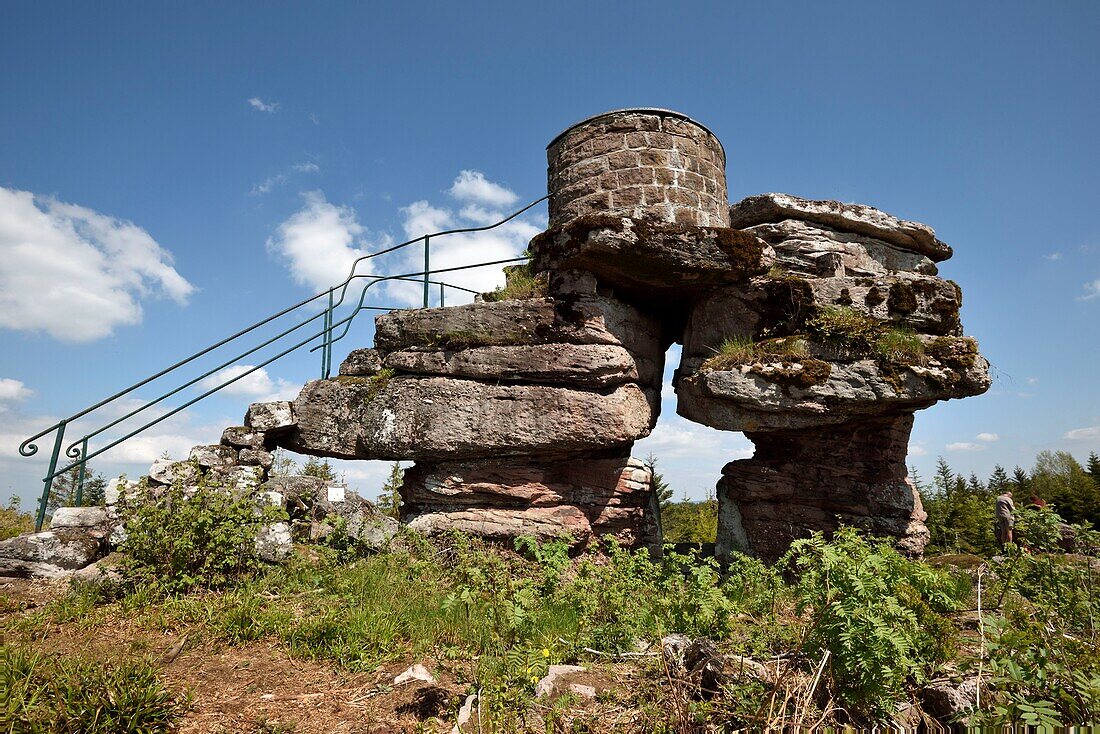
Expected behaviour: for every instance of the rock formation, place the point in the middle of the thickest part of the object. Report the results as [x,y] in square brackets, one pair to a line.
[817,328]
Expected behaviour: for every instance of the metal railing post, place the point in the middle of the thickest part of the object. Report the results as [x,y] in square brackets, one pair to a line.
[427,267]
[326,369]
[83,466]
[441,303]
[48,481]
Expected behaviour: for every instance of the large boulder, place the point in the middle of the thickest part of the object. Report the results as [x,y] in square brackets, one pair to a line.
[440,418]
[803,392]
[854,218]
[50,553]
[820,251]
[648,258]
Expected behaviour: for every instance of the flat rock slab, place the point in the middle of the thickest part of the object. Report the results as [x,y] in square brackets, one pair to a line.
[642,257]
[425,418]
[631,526]
[577,319]
[854,218]
[814,249]
[580,365]
[621,481]
[763,396]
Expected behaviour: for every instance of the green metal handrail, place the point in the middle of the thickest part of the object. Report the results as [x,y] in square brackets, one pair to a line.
[78,450]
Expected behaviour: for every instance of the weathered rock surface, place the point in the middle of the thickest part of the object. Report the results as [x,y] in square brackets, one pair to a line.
[242,437]
[446,418]
[801,481]
[504,499]
[362,362]
[774,395]
[649,259]
[577,320]
[270,417]
[855,218]
[50,553]
[816,250]
[580,365]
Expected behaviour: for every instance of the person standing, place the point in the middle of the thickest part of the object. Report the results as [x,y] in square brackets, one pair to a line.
[1005,519]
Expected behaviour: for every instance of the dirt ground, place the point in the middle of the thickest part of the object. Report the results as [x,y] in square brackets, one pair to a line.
[257,688]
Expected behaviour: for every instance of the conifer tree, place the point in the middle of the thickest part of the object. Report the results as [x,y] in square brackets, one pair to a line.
[660,486]
[1094,468]
[1021,481]
[998,480]
[389,501]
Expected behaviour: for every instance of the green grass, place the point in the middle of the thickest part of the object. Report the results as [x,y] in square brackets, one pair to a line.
[520,283]
[735,351]
[74,694]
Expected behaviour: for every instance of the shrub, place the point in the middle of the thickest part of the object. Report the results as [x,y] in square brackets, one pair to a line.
[520,283]
[14,522]
[867,604]
[180,540]
[43,694]
[739,350]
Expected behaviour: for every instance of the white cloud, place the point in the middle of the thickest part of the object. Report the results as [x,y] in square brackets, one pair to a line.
[915,450]
[12,390]
[320,242]
[74,273]
[966,446]
[1033,380]
[472,186]
[1081,434]
[1092,290]
[257,384]
[1053,257]
[988,437]
[314,119]
[279,179]
[259,104]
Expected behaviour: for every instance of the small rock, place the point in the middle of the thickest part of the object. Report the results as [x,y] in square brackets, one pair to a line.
[243,437]
[362,363]
[416,672]
[214,457]
[166,471]
[256,457]
[269,417]
[949,700]
[553,679]
[273,542]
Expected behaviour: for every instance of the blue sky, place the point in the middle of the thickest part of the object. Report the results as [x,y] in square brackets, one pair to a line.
[184,171]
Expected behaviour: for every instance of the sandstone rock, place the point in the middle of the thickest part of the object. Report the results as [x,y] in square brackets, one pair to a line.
[270,417]
[855,218]
[614,481]
[243,480]
[107,568]
[214,457]
[444,418]
[815,250]
[632,526]
[242,437]
[362,363]
[774,395]
[573,320]
[801,481]
[166,471]
[273,542]
[782,306]
[48,554]
[643,257]
[579,365]
[117,488]
[256,457]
